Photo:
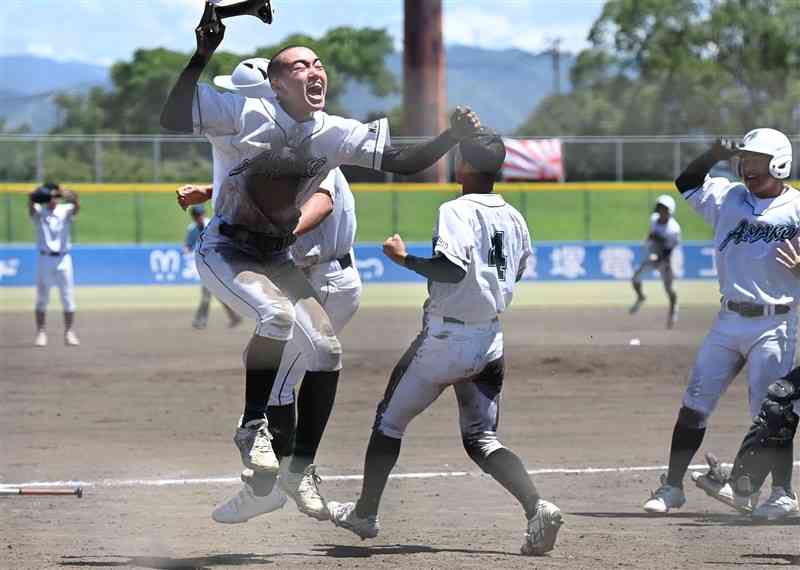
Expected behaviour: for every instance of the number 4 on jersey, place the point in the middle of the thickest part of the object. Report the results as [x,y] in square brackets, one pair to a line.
[497,258]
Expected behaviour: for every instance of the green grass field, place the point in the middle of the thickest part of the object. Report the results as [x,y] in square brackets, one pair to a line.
[552,216]
[185,297]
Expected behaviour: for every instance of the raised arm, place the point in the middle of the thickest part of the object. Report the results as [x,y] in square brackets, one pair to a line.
[177,112]
[694,174]
[414,158]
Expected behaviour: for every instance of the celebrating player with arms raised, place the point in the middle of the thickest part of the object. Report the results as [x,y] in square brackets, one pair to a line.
[757,324]
[481,246]
[277,153]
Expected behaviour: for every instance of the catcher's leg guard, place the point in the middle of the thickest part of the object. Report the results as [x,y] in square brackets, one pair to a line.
[772,430]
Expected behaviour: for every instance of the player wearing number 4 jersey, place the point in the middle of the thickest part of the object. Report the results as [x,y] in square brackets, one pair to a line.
[757,322]
[481,246]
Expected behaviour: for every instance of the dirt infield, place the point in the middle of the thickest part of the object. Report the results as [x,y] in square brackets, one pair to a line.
[147,398]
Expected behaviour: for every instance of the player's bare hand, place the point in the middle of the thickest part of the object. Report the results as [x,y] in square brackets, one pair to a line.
[209,31]
[464,122]
[189,195]
[723,148]
[789,257]
[395,249]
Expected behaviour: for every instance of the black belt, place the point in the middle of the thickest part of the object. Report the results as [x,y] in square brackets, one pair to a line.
[753,310]
[460,322]
[345,261]
[264,243]
[51,253]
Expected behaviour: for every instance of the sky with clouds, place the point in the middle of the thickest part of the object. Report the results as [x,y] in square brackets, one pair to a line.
[104,31]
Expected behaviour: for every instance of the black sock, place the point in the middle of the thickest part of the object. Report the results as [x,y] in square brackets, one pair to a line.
[637,286]
[507,469]
[685,443]
[40,320]
[382,454]
[262,358]
[69,320]
[314,405]
[281,421]
[782,467]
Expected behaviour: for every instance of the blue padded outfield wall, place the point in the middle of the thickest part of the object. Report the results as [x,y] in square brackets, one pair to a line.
[166,264]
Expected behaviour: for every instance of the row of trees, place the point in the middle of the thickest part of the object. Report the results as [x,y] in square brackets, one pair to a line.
[682,66]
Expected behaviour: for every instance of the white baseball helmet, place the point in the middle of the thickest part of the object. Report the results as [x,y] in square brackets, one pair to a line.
[249,79]
[667,201]
[773,143]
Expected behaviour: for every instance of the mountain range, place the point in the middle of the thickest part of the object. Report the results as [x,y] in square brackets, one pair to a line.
[502,86]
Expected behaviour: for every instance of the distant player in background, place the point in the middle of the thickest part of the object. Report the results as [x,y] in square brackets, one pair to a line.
[199,222]
[664,237]
[53,222]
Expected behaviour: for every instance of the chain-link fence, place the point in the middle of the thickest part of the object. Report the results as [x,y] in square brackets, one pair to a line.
[134,215]
[152,158]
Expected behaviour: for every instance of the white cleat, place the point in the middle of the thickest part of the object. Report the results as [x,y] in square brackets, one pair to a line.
[780,505]
[542,530]
[71,339]
[246,504]
[664,498]
[41,339]
[255,447]
[344,515]
[724,493]
[717,485]
[303,488]
[672,318]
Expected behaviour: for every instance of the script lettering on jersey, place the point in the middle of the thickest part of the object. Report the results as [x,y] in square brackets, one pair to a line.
[751,232]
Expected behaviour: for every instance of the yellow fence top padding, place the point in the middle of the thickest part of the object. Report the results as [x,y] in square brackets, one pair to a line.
[91,187]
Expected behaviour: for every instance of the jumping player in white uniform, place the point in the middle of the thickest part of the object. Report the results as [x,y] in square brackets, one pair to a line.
[664,237]
[286,147]
[325,254]
[193,231]
[757,323]
[53,221]
[481,245]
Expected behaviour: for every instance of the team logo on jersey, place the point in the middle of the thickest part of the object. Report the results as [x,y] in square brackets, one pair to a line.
[750,232]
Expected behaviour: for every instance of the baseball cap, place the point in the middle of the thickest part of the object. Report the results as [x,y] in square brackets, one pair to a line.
[249,78]
[484,151]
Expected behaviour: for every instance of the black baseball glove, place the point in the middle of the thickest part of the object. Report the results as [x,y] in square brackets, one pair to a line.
[44,194]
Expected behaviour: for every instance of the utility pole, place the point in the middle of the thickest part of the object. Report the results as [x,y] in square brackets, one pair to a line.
[424,86]
[555,55]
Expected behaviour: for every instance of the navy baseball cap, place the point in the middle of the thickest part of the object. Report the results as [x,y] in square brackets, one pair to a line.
[484,151]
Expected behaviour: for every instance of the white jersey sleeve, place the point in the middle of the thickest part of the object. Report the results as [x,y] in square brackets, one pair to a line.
[216,114]
[527,249]
[453,235]
[362,144]
[708,198]
[36,211]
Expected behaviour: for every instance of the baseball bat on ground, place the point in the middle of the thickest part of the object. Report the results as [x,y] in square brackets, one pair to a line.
[5,491]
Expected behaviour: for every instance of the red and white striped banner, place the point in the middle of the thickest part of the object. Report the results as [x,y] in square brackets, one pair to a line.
[533,160]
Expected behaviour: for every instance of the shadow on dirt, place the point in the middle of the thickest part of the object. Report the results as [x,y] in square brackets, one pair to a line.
[339,551]
[164,562]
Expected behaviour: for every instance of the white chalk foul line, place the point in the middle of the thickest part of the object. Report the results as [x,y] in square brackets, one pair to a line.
[422,475]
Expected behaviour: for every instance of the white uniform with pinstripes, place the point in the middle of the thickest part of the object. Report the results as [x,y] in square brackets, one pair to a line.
[489,239]
[271,289]
[747,232]
[339,290]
